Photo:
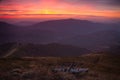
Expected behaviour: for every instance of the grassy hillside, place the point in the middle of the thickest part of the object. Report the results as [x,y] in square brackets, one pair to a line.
[101,67]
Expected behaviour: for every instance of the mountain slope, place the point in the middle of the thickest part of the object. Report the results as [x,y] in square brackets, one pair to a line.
[12,33]
[96,40]
[71,26]
[29,50]
[71,31]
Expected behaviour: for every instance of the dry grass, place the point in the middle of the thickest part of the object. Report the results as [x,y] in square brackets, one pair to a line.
[101,67]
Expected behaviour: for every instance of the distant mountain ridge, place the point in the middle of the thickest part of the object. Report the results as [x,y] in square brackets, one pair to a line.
[75,32]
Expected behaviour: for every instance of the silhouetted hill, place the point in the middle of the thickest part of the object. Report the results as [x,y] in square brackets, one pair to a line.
[6,31]
[70,26]
[5,48]
[114,49]
[5,24]
[12,33]
[4,27]
[28,50]
[96,40]
[82,33]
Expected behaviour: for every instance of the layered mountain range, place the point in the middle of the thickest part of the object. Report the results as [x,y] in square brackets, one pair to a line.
[81,33]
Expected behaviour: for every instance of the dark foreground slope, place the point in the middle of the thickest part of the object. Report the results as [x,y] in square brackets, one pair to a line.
[101,67]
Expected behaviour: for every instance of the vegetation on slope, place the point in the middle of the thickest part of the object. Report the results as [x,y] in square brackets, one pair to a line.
[101,67]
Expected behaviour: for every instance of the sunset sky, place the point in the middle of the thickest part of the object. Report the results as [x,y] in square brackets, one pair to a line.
[58,8]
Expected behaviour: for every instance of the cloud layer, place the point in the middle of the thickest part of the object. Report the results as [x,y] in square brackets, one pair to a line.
[78,7]
[96,2]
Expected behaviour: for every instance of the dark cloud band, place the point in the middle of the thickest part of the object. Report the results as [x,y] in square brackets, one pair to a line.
[115,2]
[95,2]
[8,10]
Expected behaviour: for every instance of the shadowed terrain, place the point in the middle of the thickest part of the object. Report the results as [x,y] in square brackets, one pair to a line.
[101,67]
[34,50]
[82,33]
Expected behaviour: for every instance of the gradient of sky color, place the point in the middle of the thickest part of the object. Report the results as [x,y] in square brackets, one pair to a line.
[58,8]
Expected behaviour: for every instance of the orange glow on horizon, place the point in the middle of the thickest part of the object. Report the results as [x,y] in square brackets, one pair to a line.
[51,9]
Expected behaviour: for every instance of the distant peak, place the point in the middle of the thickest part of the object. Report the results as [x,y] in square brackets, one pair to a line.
[5,24]
[1,22]
[71,19]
